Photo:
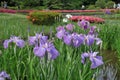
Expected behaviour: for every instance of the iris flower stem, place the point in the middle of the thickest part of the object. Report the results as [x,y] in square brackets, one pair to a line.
[15,50]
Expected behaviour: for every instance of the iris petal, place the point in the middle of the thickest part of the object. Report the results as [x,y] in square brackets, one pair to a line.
[20,43]
[6,43]
[39,51]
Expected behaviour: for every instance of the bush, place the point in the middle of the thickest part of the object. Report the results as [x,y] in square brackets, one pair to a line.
[110,4]
[90,7]
[100,3]
[44,17]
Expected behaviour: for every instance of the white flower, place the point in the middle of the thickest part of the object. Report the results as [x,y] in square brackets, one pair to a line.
[65,20]
[68,16]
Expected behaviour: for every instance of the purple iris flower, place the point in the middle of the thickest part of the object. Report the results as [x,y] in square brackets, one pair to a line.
[67,39]
[60,33]
[60,28]
[49,48]
[95,60]
[70,27]
[78,39]
[37,39]
[89,39]
[84,24]
[4,76]
[107,11]
[92,30]
[17,40]
[98,41]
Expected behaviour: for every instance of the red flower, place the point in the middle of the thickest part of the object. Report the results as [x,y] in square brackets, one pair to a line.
[88,18]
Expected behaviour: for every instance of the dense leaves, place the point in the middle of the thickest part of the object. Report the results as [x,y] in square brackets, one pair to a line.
[56,4]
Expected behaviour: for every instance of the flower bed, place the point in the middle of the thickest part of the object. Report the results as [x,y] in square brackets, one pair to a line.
[2,10]
[7,11]
[24,11]
[91,19]
[62,11]
[70,11]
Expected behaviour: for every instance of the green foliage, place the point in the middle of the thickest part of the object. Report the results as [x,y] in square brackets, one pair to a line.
[13,8]
[100,3]
[109,4]
[53,4]
[91,7]
[22,64]
[20,24]
[44,18]
[47,4]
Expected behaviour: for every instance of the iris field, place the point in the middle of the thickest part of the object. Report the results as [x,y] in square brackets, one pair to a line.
[72,52]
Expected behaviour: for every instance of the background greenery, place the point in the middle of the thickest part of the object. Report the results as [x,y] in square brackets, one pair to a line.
[59,4]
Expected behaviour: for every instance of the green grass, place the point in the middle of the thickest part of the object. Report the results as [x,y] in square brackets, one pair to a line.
[17,24]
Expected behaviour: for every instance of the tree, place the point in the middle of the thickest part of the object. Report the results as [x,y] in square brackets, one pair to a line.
[100,3]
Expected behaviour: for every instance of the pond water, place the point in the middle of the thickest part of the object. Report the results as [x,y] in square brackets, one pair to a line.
[110,58]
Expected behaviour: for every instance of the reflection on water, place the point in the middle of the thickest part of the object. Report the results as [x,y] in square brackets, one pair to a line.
[110,58]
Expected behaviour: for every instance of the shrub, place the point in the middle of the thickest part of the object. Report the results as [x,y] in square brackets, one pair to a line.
[100,3]
[44,17]
[90,7]
[110,4]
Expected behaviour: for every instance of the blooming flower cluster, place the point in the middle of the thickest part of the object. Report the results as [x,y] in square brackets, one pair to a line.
[76,40]
[8,11]
[69,11]
[41,45]
[67,17]
[91,19]
[14,11]
[95,60]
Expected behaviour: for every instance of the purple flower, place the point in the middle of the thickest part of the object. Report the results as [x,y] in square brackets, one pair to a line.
[98,41]
[17,40]
[78,39]
[92,30]
[83,56]
[49,48]
[107,11]
[84,24]
[60,28]
[70,27]
[43,46]
[37,39]
[67,39]
[60,33]
[89,39]
[95,60]
[4,76]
